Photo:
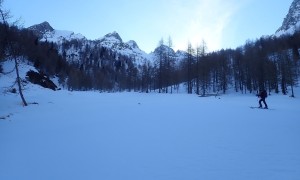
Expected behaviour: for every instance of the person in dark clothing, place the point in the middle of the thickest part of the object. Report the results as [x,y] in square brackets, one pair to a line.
[263,95]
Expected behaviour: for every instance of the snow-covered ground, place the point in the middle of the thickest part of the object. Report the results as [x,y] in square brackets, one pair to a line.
[135,136]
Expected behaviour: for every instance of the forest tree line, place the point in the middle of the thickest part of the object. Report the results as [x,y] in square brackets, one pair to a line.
[270,63]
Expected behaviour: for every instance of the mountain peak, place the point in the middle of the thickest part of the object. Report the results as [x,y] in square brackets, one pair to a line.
[114,35]
[133,44]
[42,28]
[292,19]
[164,48]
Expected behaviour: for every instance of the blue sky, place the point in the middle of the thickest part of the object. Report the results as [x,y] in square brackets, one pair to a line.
[221,23]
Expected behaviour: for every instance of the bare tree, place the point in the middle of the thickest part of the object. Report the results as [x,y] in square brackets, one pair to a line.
[160,64]
[170,65]
[12,47]
[200,53]
[190,58]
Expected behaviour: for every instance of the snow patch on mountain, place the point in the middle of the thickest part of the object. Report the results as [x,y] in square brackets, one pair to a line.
[59,36]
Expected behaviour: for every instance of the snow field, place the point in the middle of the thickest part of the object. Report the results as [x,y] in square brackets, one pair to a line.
[88,135]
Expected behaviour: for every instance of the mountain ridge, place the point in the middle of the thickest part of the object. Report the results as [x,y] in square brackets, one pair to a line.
[112,41]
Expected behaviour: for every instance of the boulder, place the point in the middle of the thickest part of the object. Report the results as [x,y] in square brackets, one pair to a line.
[40,79]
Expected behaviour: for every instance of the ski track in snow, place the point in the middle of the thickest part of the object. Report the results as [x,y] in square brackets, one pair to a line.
[134,136]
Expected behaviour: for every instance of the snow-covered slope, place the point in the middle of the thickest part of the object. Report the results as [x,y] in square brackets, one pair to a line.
[46,33]
[59,36]
[113,136]
[291,22]
[8,78]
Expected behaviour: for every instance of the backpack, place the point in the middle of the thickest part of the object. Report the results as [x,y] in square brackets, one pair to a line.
[264,94]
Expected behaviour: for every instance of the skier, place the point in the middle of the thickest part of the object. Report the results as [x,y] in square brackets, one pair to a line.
[263,95]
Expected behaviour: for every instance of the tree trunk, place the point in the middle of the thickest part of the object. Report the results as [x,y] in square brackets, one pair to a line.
[19,83]
[292,86]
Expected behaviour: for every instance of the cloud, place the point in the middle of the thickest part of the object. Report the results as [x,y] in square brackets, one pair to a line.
[198,20]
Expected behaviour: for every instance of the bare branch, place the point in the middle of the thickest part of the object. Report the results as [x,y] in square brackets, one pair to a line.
[5,14]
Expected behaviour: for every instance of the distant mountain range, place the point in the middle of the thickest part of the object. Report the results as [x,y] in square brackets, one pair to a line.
[111,41]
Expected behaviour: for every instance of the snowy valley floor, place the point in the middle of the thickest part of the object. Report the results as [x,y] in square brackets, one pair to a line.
[134,136]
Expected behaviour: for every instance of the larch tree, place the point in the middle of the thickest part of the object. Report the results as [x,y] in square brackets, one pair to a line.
[190,58]
[12,47]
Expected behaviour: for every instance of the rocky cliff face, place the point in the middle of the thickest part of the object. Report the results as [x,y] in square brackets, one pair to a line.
[291,22]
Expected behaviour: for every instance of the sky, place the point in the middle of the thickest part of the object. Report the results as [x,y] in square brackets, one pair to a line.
[221,24]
